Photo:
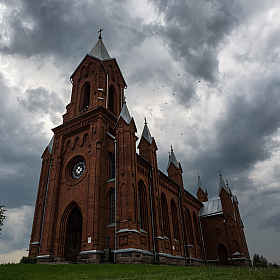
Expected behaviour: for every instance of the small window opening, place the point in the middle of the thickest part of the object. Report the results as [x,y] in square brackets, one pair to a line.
[111,166]
[86,97]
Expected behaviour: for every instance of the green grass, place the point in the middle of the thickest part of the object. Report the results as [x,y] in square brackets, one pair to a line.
[110,271]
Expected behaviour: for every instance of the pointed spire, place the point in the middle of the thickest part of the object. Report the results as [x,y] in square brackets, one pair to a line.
[125,113]
[99,51]
[172,159]
[146,133]
[222,184]
[199,184]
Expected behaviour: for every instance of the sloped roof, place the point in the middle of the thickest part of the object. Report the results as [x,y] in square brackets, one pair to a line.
[99,51]
[211,207]
[125,114]
[172,159]
[50,146]
[146,133]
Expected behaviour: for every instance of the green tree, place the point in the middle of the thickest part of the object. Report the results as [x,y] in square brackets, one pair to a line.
[260,261]
[2,216]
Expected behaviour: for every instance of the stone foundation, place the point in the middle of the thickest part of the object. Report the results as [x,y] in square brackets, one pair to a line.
[131,255]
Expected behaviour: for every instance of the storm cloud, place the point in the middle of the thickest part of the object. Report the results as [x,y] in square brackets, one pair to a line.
[204,73]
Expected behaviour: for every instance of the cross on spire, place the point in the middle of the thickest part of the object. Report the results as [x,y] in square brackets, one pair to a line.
[220,172]
[100,33]
[145,121]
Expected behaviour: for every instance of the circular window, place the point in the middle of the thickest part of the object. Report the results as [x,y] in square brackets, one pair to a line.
[78,169]
[75,169]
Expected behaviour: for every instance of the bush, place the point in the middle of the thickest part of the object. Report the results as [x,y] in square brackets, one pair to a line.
[31,260]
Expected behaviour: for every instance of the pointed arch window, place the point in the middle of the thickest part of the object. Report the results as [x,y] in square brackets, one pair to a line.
[143,211]
[112,209]
[112,99]
[197,232]
[86,96]
[190,227]
[165,216]
[175,221]
[112,168]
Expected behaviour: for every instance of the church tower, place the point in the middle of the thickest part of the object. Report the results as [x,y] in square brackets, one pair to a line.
[78,175]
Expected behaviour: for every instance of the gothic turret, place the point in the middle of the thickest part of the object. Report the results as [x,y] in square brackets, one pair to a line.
[147,146]
[201,194]
[125,170]
[97,82]
[174,169]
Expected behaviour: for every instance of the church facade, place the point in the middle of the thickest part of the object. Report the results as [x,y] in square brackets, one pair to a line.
[99,200]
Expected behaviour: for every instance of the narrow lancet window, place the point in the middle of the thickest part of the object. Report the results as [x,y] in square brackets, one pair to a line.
[111,166]
[86,97]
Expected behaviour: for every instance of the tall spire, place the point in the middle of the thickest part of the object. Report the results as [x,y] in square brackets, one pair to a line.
[172,159]
[199,184]
[222,184]
[99,51]
[146,133]
[125,113]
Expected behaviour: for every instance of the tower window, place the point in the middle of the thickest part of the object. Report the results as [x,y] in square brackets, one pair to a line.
[86,97]
[111,166]
[143,211]
[112,99]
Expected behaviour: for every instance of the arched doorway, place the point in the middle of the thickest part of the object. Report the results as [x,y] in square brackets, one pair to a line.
[73,235]
[223,255]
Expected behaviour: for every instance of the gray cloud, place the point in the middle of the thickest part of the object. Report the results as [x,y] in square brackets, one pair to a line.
[21,146]
[41,101]
[194,31]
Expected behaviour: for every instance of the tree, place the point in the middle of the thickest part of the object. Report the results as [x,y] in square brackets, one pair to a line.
[260,261]
[2,216]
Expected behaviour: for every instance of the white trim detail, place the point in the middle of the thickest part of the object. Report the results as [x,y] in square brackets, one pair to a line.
[128,230]
[91,252]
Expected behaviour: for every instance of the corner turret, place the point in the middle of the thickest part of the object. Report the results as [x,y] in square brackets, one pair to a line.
[174,169]
[201,194]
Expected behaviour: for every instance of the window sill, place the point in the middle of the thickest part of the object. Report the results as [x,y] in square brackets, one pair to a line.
[111,225]
[111,180]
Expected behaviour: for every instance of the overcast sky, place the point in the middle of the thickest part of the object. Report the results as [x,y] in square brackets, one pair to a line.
[204,73]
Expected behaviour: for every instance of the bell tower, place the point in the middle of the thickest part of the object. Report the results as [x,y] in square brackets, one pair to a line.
[97,82]
[75,207]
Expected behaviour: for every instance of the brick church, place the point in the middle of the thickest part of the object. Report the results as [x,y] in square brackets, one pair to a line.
[101,200]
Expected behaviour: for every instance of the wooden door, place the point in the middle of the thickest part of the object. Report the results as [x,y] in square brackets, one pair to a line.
[223,255]
[73,235]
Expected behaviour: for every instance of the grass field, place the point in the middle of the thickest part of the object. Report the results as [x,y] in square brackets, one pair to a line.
[110,271]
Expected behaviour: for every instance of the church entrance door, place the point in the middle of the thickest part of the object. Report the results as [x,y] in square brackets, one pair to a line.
[73,235]
[223,255]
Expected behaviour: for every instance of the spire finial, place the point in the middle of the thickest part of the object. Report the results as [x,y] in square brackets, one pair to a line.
[220,172]
[171,149]
[198,175]
[145,120]
[227,182]
[100,34]
[124,99]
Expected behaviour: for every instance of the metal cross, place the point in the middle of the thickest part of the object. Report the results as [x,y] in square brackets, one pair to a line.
[100,33]
[220,172]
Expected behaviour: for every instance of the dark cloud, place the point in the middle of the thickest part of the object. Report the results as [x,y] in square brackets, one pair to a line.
[195,30]
[41,101]
[68,29]
[21,145]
